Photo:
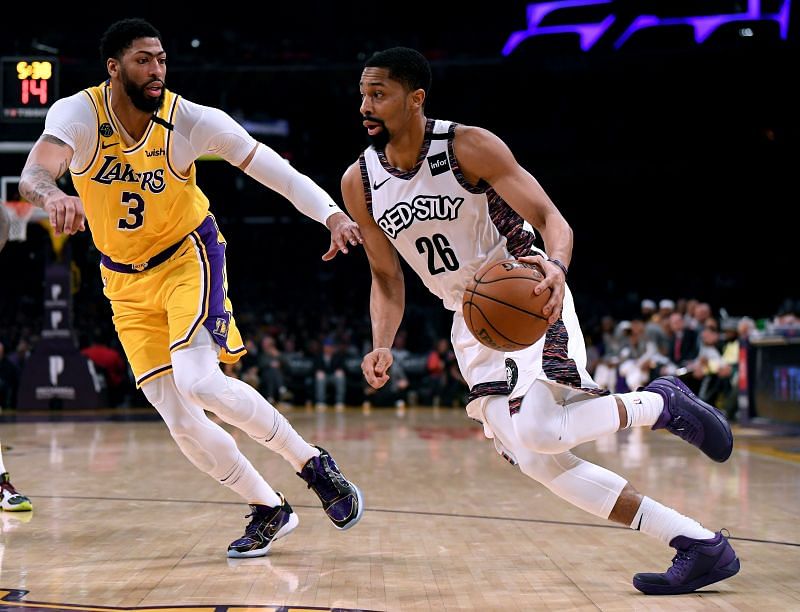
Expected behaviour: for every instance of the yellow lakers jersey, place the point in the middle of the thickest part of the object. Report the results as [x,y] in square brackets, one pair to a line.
[136,202]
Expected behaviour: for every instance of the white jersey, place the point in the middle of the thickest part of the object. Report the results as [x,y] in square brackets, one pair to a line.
[444,227]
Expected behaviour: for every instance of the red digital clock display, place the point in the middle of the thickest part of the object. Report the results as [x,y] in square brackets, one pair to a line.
[28,87]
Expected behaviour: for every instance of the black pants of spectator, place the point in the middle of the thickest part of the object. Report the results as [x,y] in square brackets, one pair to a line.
[448,390]
[272,383]
[385,396]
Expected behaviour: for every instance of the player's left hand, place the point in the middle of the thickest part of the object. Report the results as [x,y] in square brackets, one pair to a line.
[375,366]
[343,230]
[555,280]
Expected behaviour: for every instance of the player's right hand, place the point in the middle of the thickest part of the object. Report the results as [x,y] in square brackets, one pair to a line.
[343,230]
[66,213]
[376,367]
[555,280]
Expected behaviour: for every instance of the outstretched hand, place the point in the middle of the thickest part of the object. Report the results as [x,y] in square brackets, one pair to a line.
[376,367]
[554,279]
[65,213]
[343,230]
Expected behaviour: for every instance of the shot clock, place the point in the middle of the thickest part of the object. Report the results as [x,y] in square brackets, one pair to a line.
[28,87]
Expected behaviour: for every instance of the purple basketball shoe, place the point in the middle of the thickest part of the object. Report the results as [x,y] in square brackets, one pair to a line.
[340,498]
[691,419]
[698,563]
[267,525]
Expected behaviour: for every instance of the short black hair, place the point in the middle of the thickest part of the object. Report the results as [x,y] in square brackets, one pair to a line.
[119,36]
[405,65]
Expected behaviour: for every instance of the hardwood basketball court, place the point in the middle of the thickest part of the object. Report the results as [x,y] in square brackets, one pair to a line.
[122,519]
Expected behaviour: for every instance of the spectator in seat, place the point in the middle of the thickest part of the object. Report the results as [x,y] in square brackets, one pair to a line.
[329,369]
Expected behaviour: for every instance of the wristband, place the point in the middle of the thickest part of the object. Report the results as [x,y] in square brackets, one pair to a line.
[560,265]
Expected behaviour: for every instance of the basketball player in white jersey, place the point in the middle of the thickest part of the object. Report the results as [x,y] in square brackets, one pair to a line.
[130,145]
[448,198]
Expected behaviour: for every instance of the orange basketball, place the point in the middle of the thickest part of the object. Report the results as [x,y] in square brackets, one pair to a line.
[501,309]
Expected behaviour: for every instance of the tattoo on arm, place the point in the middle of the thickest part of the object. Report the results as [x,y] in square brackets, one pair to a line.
[62,166]
[36,183]
[53,140]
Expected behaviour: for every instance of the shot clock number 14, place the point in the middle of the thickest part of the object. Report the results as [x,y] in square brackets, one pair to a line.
[29,87]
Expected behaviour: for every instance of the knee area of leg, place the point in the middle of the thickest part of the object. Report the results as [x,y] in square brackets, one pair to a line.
[154,391]
[545,468]
[185,424]
[201,386]
[200,457]
[164,396]
[184,379]
[534,466]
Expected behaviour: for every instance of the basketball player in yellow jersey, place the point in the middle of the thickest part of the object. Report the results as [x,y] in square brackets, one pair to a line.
[130,145]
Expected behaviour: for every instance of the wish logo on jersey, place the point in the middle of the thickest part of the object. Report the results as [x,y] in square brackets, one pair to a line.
[114,170]
[422,208]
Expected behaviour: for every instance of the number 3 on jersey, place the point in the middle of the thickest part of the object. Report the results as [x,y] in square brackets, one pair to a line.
[437,245]
[135,217]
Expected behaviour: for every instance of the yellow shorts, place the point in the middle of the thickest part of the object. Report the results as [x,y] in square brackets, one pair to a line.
[161,308]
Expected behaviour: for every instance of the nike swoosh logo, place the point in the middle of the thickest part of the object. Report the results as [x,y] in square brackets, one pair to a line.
[105,145]
[639,526]
[272,530]
[377,186]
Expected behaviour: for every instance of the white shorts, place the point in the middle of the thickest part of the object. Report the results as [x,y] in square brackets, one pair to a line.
[558,359]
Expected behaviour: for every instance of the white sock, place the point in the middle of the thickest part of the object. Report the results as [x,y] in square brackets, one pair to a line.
[2,465]
[248,483]
[285,441]
[664,523]
[643,408]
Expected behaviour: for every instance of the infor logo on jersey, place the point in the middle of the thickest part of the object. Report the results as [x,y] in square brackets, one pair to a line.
[438,163]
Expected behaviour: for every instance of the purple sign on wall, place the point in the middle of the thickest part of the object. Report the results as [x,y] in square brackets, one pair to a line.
[590,33]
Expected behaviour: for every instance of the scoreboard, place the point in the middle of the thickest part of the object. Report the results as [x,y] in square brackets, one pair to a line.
[28,87]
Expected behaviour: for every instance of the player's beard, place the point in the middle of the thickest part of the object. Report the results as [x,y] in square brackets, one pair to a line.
[139,98]
[382,138]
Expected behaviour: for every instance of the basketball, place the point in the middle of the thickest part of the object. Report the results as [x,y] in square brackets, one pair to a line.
[500,307]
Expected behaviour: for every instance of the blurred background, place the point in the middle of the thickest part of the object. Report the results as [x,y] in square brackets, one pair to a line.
[663,130]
